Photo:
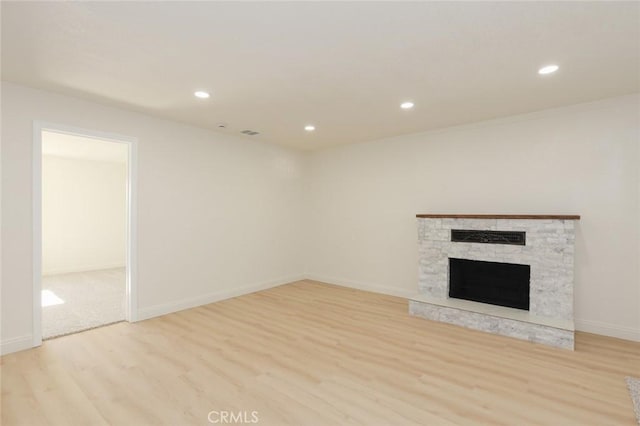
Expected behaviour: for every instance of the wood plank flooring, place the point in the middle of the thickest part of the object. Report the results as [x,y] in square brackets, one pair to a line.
[308,353]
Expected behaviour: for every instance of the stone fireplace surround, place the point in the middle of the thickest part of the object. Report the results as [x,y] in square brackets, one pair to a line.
[549,250]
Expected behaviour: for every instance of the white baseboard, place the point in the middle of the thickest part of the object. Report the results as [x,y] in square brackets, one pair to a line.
[167,308]
[16,344]
[391,291]
[83,269]
[595,327]
[20,343]
[606,329]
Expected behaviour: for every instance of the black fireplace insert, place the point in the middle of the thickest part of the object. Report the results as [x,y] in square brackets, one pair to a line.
[503,284]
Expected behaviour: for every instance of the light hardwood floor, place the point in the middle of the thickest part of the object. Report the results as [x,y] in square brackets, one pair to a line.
[314,354]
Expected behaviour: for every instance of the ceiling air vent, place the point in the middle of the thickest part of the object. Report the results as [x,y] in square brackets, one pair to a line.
[249,132]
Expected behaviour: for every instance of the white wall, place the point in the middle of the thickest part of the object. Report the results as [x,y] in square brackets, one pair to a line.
[576,160]
[218,215]
[84,211]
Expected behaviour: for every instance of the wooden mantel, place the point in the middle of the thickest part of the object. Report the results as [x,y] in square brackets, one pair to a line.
[500,216]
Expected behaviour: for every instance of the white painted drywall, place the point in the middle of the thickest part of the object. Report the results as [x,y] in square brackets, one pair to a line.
[84,211]
[218,215]
[577,160]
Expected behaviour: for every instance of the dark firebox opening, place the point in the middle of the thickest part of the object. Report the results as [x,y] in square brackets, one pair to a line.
[503,284]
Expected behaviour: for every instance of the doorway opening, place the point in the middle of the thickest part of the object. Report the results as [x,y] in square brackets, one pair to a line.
[84,230]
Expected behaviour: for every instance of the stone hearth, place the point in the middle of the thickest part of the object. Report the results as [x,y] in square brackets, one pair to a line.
[548,250]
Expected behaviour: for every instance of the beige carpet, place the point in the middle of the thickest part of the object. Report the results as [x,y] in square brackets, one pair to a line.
[634,390]
[82,300]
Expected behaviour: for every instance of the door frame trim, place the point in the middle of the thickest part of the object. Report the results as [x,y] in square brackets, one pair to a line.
[131,298]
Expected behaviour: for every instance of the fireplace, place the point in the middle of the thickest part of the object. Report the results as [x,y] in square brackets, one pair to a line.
[503,274]
[496,283]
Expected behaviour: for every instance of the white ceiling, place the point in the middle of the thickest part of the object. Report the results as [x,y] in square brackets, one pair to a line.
[342,66]
[83,148]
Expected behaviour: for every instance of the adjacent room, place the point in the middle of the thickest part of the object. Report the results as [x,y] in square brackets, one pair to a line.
[320,213]
[84,233]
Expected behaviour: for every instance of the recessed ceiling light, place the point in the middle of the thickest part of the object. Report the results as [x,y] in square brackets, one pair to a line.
[309,128]
[201,94]
[406,105]
[548,69]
